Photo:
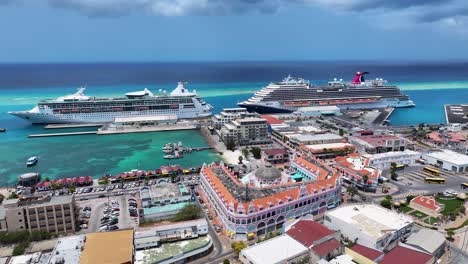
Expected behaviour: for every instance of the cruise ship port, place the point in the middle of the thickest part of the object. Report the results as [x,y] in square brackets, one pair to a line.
[123,125]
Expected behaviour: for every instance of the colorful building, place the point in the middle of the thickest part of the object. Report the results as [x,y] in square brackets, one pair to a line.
[356,170]
[246,210]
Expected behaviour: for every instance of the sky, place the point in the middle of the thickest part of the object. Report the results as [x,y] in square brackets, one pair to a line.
[225,30]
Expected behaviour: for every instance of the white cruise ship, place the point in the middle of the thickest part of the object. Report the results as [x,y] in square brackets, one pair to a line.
[293,93]
[79,108]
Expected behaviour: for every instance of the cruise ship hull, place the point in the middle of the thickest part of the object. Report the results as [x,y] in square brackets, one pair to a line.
[102,117]
[278,108]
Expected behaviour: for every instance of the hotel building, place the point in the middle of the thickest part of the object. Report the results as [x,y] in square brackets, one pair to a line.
[54,214]
[261,201]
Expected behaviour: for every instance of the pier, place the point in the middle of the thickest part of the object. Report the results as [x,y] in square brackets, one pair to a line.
[62,134]
[57,126]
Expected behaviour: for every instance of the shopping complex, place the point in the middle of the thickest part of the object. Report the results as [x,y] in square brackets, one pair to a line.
[261,201]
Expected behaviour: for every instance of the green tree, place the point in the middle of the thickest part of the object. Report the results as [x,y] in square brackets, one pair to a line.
[256,152]
[55,186]
[2,198]
[47,179]
[238,246]
[365,178]
[231,145]
[409,198]
[147,179]
[71,189]
[240,159]
[13,195]
[20,248]
[352,191]
[245,152]
[226,261]
[121,181]
[341,132]
[386,203]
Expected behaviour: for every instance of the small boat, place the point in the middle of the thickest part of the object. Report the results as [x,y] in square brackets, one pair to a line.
[32,161]
[2,129]
[170,157]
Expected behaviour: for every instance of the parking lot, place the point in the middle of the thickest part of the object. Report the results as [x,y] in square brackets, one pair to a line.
[109,213]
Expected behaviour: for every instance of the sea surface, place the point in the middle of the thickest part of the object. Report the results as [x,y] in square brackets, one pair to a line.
[222,84]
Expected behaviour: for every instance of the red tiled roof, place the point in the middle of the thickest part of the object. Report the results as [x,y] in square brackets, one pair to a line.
[326,247]
[427,201]
[398,254]
[308,231]
[271,120]
[369,253]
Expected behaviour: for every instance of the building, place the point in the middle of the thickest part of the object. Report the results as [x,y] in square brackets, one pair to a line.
[275,155]
[322,242]
[156,236]
[399,253]
[230,114]
[364,255]
[447,160]
[370,225]
[246,131]
[67,250]
[383,161]
[379,143]
[246,209]
[329,150]
[313,139]
[114,247]
[164,200]
[427,205]
[55,214]
[278,250]
[427,241]
[175,251]
[356,170]
[313,111]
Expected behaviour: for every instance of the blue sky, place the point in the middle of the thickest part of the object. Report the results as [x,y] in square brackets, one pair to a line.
[186,30]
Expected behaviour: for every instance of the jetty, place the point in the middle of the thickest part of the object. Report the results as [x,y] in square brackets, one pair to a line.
[78,125]
[62,134]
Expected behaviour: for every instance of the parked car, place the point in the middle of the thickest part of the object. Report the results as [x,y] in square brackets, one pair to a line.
[113,227]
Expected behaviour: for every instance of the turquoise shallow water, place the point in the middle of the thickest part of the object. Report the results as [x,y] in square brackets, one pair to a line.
[221,84]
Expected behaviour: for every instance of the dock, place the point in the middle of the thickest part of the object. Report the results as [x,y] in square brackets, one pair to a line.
[160,128]
[62,134]
[76,125]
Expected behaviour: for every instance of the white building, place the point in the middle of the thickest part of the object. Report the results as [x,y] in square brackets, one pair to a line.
[246,131]
[230,114]
[384,160]
[281,249]
[448,160]
[371,225]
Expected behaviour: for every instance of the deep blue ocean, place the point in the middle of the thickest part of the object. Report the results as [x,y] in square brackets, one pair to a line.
[222,84]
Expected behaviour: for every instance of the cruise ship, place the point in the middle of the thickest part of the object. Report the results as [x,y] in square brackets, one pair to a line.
[80,108]
[293,93]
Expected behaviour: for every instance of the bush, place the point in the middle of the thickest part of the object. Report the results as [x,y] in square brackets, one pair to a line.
[20,248]
[226,261]
[13,237]
[2,198]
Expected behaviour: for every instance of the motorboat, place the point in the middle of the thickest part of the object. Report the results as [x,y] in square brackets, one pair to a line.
[32,161]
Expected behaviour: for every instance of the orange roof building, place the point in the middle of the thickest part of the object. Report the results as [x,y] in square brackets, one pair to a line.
[247,210]
[355,169]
